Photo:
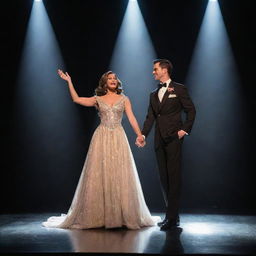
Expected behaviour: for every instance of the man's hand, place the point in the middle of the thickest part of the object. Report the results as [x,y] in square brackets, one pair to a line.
[181,134]
[140,141]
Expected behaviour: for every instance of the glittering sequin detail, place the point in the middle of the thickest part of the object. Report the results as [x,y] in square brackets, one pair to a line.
[111,116]
[108,193]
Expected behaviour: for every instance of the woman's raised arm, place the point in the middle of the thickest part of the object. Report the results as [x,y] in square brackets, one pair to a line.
[85,101]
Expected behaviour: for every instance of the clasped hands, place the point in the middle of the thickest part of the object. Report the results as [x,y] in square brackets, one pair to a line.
[141,142]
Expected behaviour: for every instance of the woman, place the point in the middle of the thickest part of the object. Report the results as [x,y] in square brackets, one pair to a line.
[109,193]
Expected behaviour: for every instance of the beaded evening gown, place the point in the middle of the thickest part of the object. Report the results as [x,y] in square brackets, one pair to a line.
[109,193]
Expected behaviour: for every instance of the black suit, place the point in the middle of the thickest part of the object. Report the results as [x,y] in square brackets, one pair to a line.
[168,117]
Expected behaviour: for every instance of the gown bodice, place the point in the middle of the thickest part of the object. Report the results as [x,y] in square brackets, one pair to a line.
[110,116]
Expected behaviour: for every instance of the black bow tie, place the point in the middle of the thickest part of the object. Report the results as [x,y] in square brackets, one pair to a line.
[162,85]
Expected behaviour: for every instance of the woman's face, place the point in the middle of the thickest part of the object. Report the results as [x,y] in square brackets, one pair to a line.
[112,82]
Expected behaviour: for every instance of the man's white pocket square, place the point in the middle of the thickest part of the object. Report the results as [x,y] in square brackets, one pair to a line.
[172,96]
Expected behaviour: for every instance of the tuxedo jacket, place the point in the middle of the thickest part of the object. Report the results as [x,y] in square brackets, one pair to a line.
[168,113]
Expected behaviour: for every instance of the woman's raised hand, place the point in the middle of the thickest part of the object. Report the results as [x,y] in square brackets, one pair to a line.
[65,76]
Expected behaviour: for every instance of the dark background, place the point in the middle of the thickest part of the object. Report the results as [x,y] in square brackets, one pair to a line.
[86,32]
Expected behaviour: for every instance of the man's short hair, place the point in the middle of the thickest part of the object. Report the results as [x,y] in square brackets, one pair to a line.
[164,63]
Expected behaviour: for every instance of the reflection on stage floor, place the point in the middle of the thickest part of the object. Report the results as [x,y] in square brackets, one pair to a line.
[197,234]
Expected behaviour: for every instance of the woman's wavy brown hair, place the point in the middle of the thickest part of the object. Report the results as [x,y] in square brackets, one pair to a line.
[102,87]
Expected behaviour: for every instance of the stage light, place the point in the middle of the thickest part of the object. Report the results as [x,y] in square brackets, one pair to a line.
[42,132]
[133,44]
[132,60]
[200,228]
[214,84]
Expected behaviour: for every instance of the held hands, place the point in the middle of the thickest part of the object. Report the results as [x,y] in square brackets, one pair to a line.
[65,76]
[140,141]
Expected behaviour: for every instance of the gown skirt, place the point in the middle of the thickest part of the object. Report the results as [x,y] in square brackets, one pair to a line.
[109,192]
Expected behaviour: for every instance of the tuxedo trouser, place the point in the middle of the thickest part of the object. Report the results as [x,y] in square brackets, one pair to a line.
[169,164]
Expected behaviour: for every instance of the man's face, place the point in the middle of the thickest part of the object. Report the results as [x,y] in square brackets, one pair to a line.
[158,72]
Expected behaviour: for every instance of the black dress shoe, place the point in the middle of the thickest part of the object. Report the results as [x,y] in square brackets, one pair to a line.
[170,224]
[162,222]
[178,221]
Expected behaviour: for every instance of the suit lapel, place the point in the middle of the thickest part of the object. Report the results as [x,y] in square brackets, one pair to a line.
[156,96]
[164,99]
[156,100]
[167,93]
[159,104]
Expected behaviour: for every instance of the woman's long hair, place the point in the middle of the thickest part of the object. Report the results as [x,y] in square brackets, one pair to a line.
[102,87]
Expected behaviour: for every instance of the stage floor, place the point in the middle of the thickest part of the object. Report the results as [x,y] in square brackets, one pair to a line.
[198,234]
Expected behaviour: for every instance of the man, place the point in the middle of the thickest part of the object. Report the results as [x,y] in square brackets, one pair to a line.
[166,105]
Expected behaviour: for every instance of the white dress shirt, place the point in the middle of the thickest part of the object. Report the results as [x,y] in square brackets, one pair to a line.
[163,89]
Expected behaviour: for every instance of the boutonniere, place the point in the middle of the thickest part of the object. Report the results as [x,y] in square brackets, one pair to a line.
[170,90]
